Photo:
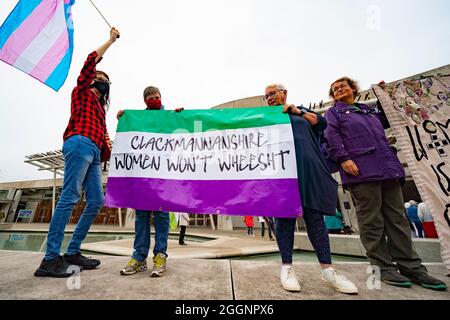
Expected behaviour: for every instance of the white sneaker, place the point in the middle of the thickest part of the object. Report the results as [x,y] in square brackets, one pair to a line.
[338,281]
[289,280]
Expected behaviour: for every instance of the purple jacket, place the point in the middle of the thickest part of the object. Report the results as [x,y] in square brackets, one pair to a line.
[357,133]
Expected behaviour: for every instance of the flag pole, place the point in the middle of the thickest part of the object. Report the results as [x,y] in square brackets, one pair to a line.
[102,15]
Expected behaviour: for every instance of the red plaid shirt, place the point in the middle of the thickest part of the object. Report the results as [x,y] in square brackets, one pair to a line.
[87,116]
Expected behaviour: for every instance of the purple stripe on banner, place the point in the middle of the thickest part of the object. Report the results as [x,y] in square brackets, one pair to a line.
[28,30]
[52,58]
[237,197]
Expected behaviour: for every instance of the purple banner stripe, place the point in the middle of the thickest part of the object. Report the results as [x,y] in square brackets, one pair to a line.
[273,198]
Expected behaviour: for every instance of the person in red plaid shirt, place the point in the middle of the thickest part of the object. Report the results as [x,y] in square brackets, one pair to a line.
[86,145]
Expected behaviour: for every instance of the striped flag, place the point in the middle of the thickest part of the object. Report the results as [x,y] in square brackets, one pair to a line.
[231,162]
[37,38]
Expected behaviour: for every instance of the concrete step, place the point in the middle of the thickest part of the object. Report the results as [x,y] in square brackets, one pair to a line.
[429,250]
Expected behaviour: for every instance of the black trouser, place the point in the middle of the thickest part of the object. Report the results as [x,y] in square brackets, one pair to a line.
[182,233]
[419,228]
[263,230]
[271,225]
[384,229]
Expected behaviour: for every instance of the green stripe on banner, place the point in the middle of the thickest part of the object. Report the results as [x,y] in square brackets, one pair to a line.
[192,121]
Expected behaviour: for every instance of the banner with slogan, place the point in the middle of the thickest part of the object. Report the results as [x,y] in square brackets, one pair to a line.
[419,114]
[229,161]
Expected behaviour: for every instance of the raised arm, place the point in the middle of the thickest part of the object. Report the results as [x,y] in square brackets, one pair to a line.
[87,73]
[113,35]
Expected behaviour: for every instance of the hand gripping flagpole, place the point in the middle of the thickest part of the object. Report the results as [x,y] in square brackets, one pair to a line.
[102,16]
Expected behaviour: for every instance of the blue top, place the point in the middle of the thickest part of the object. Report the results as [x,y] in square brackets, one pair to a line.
[318,189]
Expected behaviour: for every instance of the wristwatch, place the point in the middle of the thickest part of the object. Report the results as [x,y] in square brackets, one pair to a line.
[302,113]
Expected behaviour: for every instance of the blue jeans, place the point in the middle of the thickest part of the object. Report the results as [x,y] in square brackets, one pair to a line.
[82,169]
[142,229]
[419,228]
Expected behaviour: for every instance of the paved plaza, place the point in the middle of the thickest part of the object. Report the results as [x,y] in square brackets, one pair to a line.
[194,273]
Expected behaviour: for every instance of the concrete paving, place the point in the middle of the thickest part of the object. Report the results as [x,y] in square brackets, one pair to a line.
[194,274]
[260,281]
[190,279]
[193,279]
[215,248]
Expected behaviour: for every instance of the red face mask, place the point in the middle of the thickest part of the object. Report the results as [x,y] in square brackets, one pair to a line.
[153,104]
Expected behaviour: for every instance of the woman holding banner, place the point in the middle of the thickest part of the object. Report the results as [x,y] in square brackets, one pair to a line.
[318,192]
[372,172]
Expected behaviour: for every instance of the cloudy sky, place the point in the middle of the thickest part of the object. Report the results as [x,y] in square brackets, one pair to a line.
[202,53]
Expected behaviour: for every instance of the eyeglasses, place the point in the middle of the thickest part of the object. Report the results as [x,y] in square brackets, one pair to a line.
[271,94]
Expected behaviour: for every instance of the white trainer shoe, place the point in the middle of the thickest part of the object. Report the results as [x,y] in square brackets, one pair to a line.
[289,280]
[338,281]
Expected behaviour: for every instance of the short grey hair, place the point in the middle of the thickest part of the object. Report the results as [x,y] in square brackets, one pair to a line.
[279,86]
[151,90]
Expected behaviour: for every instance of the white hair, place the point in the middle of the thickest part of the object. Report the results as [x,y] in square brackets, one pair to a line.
[279,86]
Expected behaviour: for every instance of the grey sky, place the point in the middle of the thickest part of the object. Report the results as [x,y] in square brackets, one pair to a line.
[202,53]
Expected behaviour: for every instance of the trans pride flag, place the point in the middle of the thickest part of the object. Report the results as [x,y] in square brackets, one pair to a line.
[231,162]
[37,38]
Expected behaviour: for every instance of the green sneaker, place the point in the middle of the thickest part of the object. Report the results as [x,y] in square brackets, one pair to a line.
[134,266]
[425,280]
[393,278]
[159,265]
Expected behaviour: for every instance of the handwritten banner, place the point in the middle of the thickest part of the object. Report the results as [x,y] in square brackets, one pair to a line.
[419,113]
[231,161]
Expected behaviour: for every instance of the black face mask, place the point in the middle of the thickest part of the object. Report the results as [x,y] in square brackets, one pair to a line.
[102,87]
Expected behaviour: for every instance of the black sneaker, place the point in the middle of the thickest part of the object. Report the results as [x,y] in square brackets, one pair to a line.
[80,260]
[183,244]
[425,280]
[393,278]
[56,268]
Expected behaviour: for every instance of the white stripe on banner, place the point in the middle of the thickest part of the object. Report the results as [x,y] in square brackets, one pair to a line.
[271,155]
[46,39]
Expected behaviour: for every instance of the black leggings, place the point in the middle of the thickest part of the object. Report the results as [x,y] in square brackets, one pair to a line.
[317,233]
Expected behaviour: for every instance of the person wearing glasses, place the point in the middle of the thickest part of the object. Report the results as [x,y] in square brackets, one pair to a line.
[84,138]
[318,192]
[370,169]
